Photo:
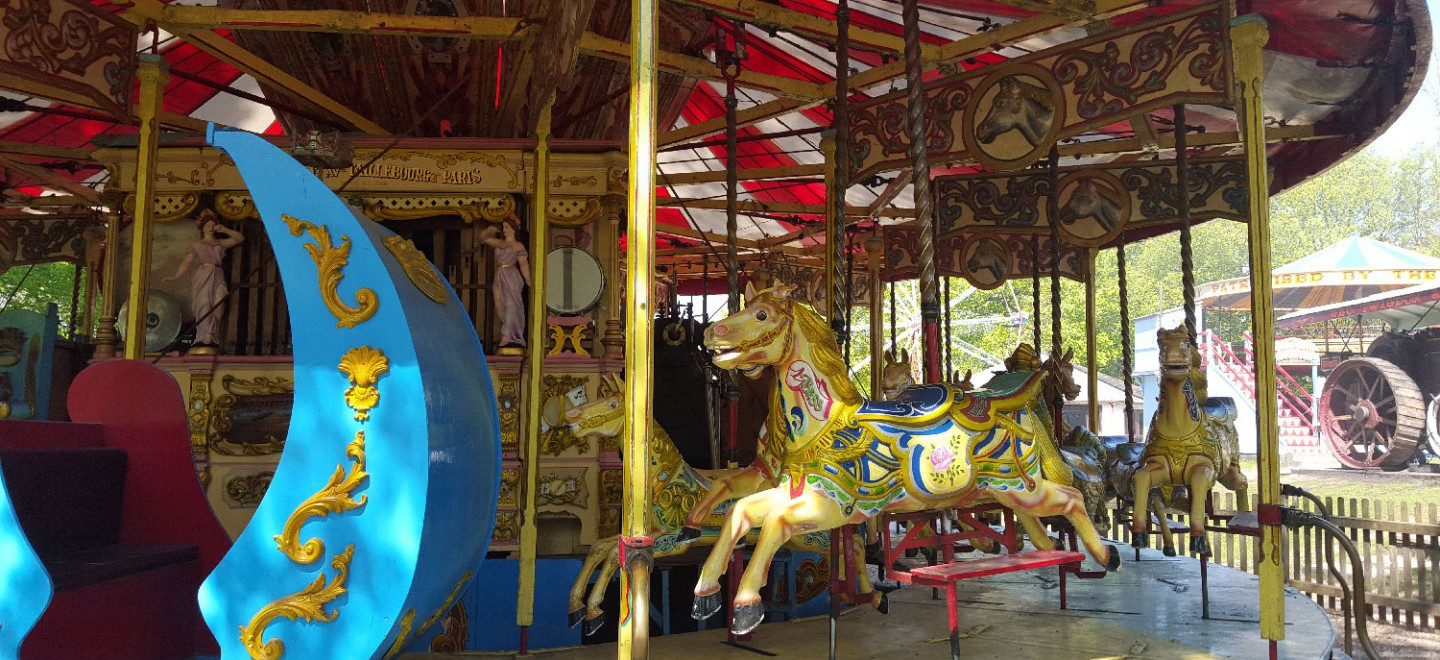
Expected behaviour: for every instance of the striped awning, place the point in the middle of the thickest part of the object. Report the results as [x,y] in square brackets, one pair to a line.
[1349,270]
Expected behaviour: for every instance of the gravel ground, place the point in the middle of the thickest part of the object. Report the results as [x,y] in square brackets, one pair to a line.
[1395,642]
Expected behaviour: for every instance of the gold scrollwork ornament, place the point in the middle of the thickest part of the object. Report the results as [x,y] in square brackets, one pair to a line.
[334,497]
[419,269]
[407,622]
[330,261]
[307,604]
[363,365]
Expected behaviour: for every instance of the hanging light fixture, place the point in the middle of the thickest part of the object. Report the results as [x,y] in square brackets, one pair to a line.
[322,151]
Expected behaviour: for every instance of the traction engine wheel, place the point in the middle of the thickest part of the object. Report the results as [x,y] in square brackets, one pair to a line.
[1371,414]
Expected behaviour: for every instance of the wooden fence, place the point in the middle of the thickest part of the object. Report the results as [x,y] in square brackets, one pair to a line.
[1398,543]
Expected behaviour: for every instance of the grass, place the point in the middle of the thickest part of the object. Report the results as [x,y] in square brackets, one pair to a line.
[1386,487]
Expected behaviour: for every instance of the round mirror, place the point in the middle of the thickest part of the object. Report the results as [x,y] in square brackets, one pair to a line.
[573,280]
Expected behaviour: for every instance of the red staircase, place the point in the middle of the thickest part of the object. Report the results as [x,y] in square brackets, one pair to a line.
[113,506]
[1296,404]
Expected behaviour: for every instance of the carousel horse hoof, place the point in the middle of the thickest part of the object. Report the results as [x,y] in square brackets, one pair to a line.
[884,606]
[576,617]
[1141,540]
[1112,560]
[1169,551]
[705,606]
[687,535]
[1199,545]
[873,554]
[594,625]
[747,618]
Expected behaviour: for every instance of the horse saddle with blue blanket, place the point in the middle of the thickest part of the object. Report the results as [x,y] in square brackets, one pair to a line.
[923,404]
[1221,408]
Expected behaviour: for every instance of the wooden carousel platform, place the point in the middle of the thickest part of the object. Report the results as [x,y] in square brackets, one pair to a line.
[1149,610]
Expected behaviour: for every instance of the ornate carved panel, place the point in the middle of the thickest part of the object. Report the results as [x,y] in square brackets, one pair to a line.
[562,487]
[1008,116]
[507,395]
[1095,202]
[44,239]
[252,416]
[509,488]
[507,528]
[561,393]
[246,491]
[70,51]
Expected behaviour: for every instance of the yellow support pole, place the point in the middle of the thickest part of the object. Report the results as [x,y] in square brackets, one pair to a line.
[535,384]
[1092,361]
[1248,35]
[636,551]
[153,73]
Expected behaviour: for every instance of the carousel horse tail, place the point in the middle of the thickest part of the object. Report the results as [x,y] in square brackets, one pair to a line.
[1052,463]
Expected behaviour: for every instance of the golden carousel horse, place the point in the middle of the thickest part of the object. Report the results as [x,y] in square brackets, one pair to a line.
[1192,441]
[1079,461]
[675,489]
[849,459]
[896,375]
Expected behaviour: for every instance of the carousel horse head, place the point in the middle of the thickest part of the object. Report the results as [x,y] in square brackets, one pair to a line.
[1062,374]
[603,417]
[896,375]
[964,383]
[759,335]
[1178,357]
[1023,358]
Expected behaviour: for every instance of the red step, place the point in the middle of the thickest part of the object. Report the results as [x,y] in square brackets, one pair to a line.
[24,434]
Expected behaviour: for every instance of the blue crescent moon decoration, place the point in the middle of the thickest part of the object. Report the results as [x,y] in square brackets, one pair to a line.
[426,481]
[25,586]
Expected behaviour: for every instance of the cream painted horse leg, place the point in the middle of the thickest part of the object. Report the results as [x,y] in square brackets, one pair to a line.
[1036,531]
[1146,477]
[1167,537]
[594,616]
[1051,499]
[599,552]
[1235,480]
[817,512]
[741,484]
[738,523]
[1200,477]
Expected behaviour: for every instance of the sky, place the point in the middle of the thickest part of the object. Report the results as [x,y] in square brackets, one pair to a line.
[1421,121]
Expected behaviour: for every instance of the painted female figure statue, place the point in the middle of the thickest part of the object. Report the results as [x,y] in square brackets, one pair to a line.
[207,285]
[512,275]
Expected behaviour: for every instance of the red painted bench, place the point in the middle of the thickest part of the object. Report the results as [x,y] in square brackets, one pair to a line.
[946,575]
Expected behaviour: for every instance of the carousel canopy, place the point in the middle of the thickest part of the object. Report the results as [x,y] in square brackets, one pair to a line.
[1337,73]
[1346,271]
[1403,309]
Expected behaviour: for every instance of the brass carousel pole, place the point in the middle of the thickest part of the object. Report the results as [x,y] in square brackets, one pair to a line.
[874,247]
[105,338]
[1092,361]
[838,175]
[636,548]
[535,383]
[920,179]
[1248,35]
[153,73]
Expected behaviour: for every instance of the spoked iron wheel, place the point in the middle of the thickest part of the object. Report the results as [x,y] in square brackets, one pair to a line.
[1432,428]
[1371,414]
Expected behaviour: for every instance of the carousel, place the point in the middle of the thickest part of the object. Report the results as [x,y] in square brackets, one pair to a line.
[390,331]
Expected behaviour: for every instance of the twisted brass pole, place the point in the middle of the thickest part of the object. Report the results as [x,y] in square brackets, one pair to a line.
[835,241]
[920,179]
[1187,255]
